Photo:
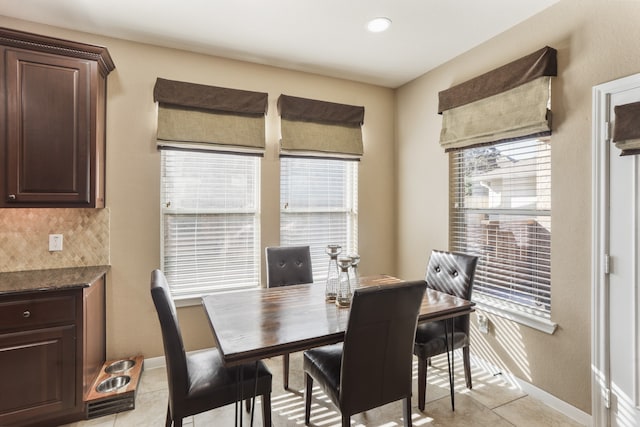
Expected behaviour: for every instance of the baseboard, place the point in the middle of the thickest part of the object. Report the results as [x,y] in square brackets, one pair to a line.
[537,393]
[159,362]
[154,363]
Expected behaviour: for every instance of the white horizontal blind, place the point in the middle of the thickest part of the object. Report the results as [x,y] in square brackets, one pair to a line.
[319,206]
[501,212]
[210,222]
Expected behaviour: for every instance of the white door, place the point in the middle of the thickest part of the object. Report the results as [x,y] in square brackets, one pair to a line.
[620,288]
[624,249]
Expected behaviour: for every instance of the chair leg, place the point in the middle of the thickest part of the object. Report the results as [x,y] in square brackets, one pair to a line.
[266,410]
[247,404]
[308,387]
[406,411]
[285,370]
[422,382]
[466,359]
[169,420]
[346,420]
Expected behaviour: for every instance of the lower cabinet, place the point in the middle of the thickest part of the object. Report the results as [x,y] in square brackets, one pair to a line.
[51,349]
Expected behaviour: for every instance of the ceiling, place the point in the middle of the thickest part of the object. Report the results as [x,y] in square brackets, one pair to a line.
[326,37]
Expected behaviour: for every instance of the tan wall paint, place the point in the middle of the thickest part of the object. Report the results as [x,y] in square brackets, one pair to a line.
[596,42]
[593,39]
[133,173]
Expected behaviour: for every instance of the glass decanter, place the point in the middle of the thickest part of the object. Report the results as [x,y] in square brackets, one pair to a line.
[354,277]
[333,274]
[344,291]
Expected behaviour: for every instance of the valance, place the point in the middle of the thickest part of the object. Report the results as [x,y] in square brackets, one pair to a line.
[309,110]
[196,116]
[311,127]
[626,128]
[509,103]
[212,98]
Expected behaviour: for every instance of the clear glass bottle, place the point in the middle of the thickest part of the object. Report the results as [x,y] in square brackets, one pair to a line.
[333,274]
[344,291]
[354,277]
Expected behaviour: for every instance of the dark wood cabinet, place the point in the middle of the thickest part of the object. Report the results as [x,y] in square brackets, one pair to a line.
[46,384]
[52,347]
[53,132]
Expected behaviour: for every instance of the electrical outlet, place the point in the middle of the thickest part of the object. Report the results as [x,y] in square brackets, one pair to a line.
[483,324]
[55,242]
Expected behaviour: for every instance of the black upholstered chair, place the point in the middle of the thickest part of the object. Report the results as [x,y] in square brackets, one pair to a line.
[453,274]
[288,265]
[199,382]
[373,366]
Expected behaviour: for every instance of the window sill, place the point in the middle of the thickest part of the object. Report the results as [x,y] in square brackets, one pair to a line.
[513,313]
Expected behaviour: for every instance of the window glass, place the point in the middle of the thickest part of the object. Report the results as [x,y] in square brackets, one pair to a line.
[319,206]
[501,212]
[210,221]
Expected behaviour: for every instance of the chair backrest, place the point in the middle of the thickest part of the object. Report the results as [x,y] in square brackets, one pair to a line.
[452,273]
[377,354]
[176,359]
[288,265]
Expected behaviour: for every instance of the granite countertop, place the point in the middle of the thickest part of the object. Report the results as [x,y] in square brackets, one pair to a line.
[50,279]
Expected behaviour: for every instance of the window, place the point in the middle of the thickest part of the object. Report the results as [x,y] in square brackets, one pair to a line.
[501,212]
[319,206]
[210,222]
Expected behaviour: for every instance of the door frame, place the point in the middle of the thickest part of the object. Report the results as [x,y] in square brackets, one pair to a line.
[600,152]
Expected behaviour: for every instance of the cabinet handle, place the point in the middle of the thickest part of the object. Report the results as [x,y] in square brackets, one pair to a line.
[12,196]
[26,313]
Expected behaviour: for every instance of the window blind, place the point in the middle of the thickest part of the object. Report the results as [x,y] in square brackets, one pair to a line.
[210,222]
[318,207]
[510,102]
[196,116]
[501,212]
[309,126]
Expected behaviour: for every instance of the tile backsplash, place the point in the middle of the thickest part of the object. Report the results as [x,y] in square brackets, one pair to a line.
[24,238]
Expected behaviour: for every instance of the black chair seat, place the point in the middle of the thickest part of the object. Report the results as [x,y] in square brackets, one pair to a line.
[451,273]
[209,379]
[199,381]
[373,365]
[431,340]
[324,364]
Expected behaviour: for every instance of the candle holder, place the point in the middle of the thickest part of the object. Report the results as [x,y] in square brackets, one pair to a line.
[344,292]
[354,277]
[333,273]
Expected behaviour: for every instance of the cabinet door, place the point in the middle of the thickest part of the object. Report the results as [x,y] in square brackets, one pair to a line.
[38,373]
[48,128]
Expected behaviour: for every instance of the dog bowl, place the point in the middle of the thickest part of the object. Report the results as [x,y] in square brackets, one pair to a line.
[113,384]
[120,366]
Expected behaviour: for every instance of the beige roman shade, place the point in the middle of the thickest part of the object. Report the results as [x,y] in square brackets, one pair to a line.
[319,128]
[626,128]
[205,117]
[509,103]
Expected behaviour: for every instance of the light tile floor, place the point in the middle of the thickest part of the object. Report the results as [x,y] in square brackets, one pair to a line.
[493,402]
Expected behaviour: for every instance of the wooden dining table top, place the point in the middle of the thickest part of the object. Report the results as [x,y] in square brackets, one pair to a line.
[260,323]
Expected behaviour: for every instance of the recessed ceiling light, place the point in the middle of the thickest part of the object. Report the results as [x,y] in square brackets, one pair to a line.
[378,25]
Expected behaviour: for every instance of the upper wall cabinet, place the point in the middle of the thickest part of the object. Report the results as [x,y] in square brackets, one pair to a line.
[52,132]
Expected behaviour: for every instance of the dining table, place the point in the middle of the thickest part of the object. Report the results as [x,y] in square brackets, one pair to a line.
[251,325]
